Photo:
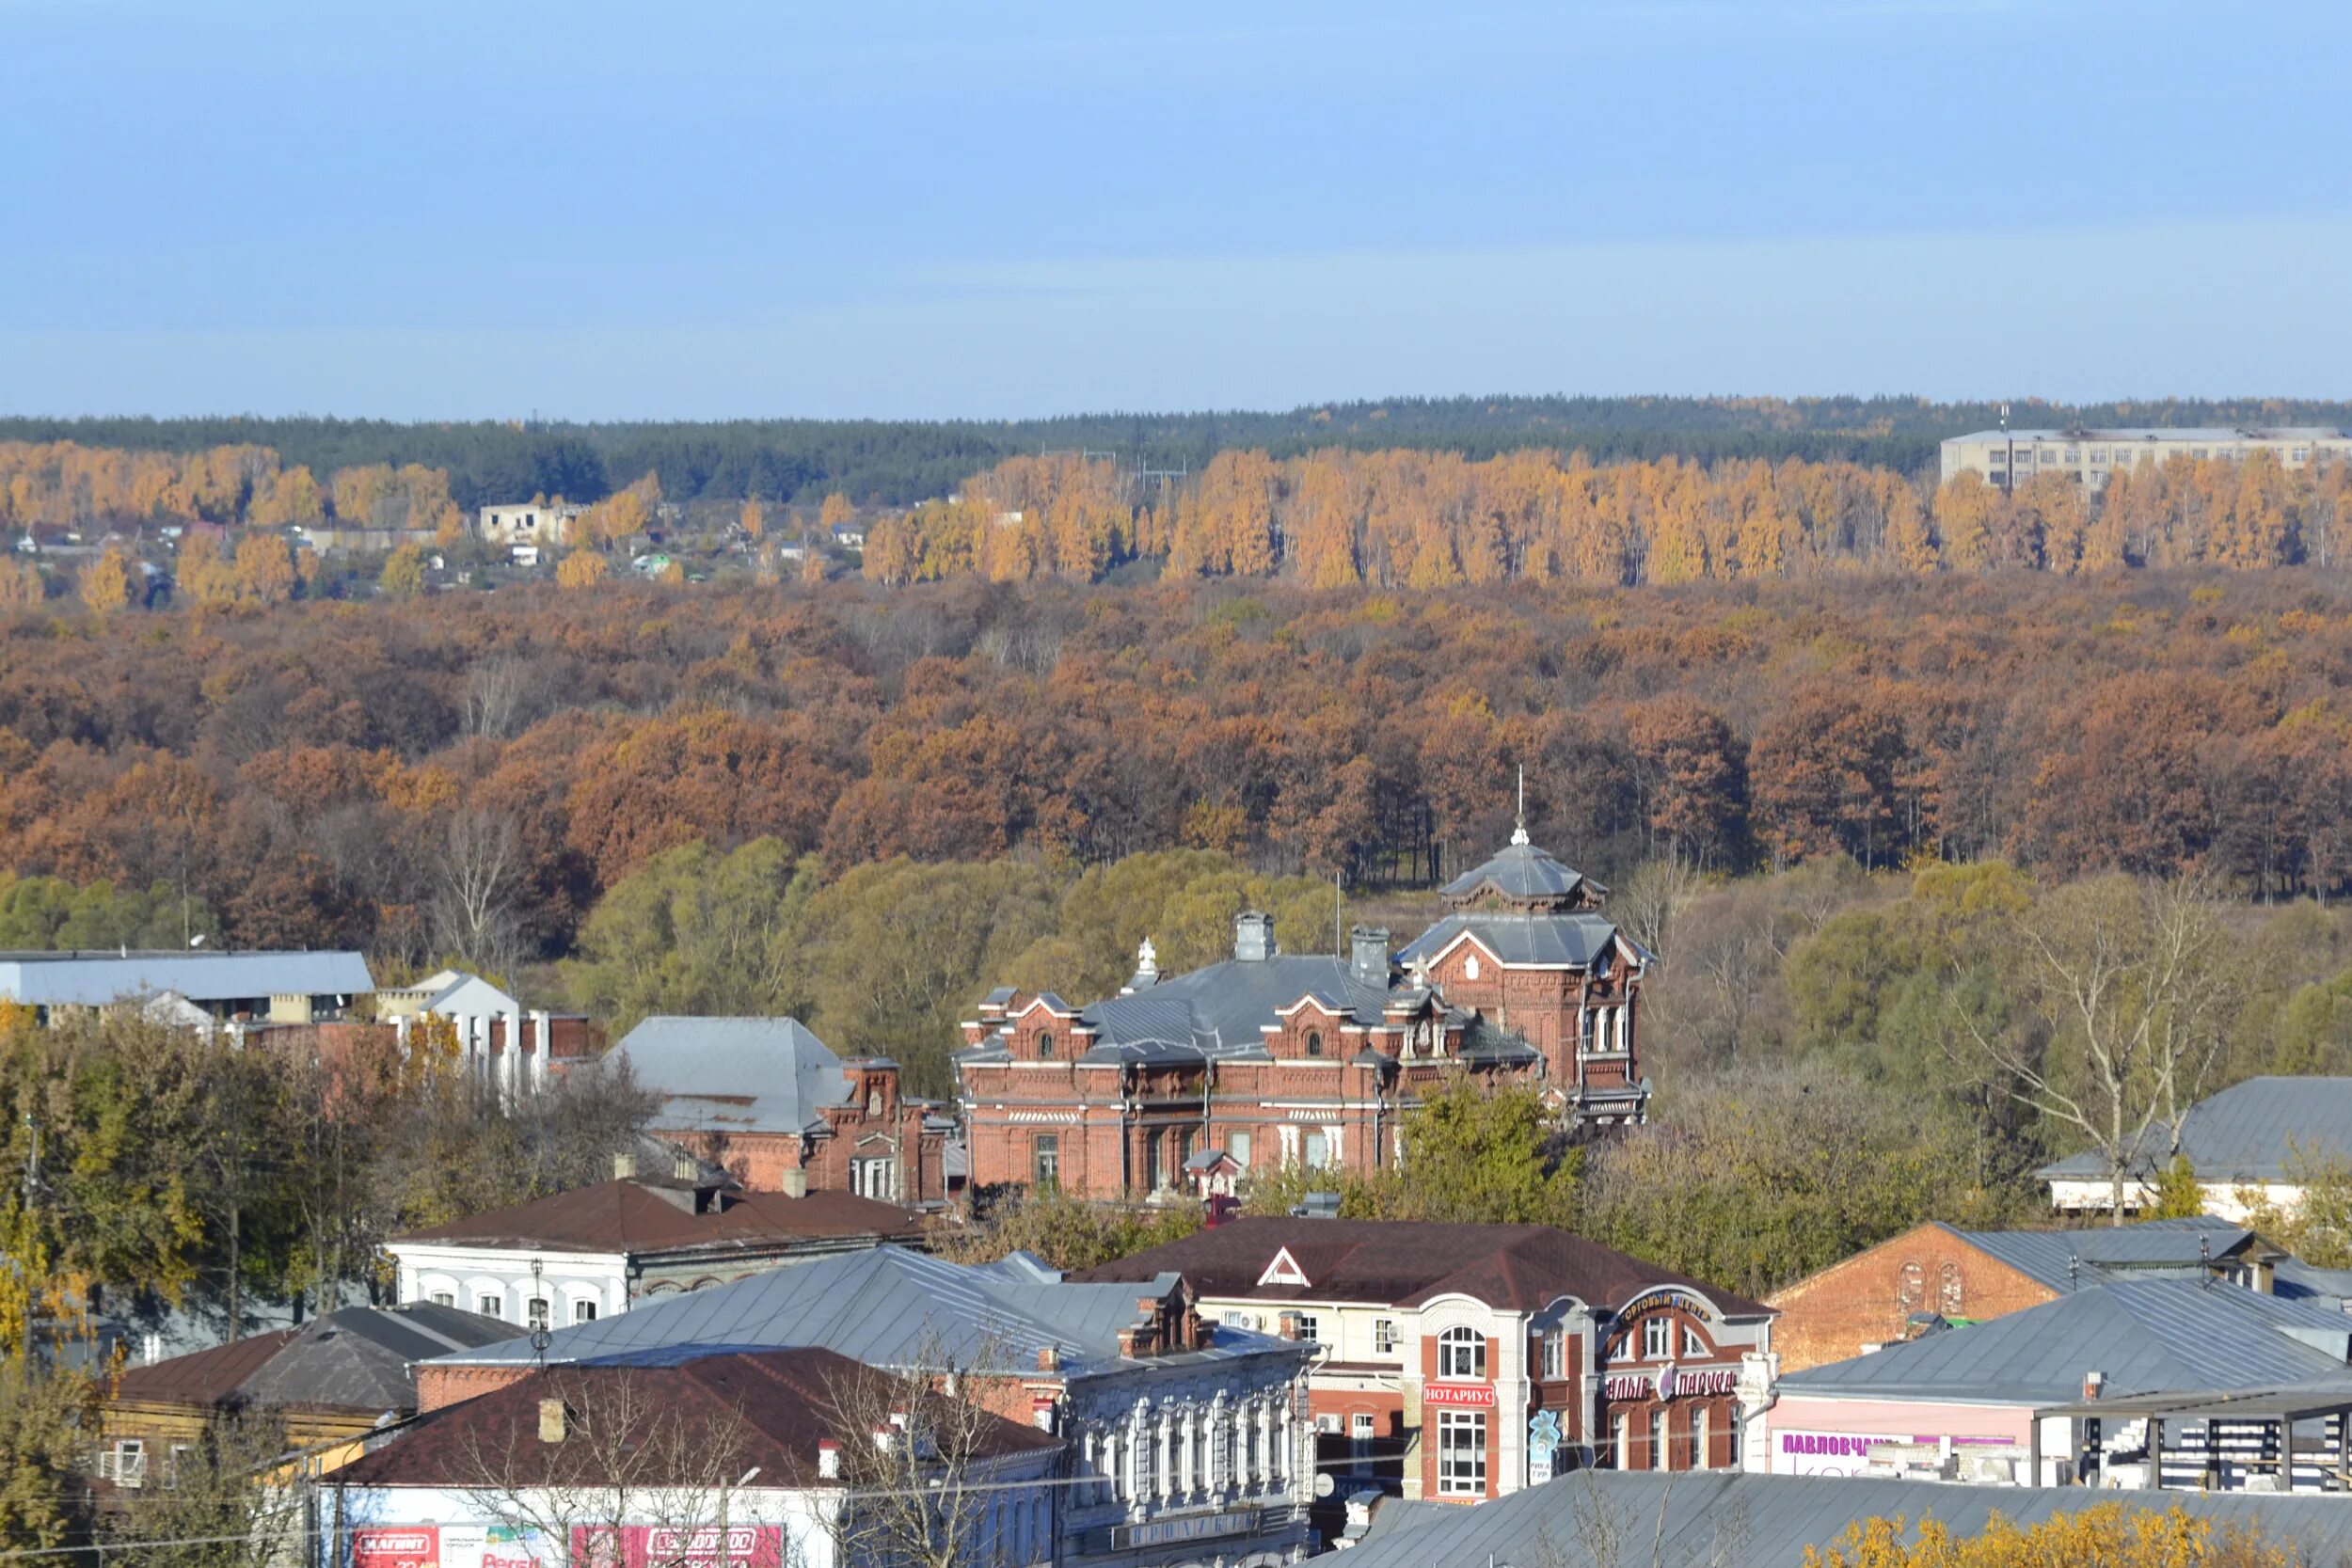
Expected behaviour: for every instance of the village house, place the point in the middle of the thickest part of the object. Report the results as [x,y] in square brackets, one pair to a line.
[772,1102]
[1462,1362]
[733,1458]
[330,1381]
[2242,1144]
[1282,1060]
[1935,1273]
[1184,1435]
[650,1232]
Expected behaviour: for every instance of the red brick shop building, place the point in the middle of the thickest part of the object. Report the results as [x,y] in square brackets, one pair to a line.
[1466,1361]
[1280,1059]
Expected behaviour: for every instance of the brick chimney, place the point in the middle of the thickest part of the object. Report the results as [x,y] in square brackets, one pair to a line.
[796,1182]
[1253,937]
[552,1422]
[1368,955]
[828,1459]
[2094,1384]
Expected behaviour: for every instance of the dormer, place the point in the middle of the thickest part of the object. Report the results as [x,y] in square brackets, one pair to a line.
[873,1085]
[1309,1030]
[1046,1029]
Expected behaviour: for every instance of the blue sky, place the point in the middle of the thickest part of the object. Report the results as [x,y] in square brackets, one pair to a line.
[712,209]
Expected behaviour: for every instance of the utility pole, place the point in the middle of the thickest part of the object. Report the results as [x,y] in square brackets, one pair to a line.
[2008,468]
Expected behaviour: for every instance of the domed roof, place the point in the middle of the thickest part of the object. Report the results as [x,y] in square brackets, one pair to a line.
[1523,873]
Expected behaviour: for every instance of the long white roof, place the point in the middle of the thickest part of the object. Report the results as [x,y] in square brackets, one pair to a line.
[97,979]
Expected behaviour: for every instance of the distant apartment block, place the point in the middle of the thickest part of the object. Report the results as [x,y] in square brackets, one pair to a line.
[2089,456]
[529,523]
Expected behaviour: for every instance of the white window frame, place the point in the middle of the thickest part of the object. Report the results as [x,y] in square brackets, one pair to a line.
[1461,1453]
[491,1305]
[538,1313]
[1657,1338]
[1462,1354]
[1555,1354]
[1692,1345]
[1384,1336]
[583,1310]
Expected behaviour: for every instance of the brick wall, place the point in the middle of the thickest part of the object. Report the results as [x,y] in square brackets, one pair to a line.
[1868,1298]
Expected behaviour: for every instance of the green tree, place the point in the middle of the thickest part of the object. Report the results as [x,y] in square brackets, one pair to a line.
[403,576]
[898,951]
[2177,1196]
[1067,1232]
[693,930]
[44,1500]
[1485,1154]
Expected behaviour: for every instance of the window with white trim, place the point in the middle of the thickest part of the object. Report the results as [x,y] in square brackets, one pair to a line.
[1657,1338]
[1359,1436]
[1461,1453]
[1692,1343]
[535,1312]
[1304,1326]
[584,1311]
[443,1298]
[490,1306]
[1384,1336]
[126,1466]
[1556,1353]
[1462,1354]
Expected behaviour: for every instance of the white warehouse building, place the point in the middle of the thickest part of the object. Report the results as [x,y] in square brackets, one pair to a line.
[2089,456]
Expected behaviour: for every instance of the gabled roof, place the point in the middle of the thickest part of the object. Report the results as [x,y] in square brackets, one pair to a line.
[470,996]
[778,1405]
[735,1074]
[1407,1262]
[1583,1519]
[97,979]
[888,1307]
[2241,1134]
[361,1358]
[2147,1336]
[1578,940]
[638,1217]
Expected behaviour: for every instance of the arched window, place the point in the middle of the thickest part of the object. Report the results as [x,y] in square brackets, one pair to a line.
[1044,1044]
[1314,1042]
[1949,1289]
[1462,1354]
[1911,1287]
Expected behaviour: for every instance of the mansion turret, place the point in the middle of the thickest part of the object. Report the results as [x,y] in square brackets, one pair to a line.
[1267,1060]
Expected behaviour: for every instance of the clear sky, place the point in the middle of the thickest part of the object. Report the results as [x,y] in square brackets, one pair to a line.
[705,209]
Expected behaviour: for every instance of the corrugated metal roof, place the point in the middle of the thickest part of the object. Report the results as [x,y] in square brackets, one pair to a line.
[2065,1259]
[1223,1010]
[97,979]
[2147,1336]
[1721,1519]
[2241,1134]
[359,1358]
[888,1308]
[2209,434]
[741,1074]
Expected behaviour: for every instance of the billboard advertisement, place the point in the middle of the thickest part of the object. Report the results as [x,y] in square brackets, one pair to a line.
[670,1546]
[451,1546]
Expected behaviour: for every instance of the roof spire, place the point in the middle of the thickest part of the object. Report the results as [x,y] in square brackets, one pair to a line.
[1518,834]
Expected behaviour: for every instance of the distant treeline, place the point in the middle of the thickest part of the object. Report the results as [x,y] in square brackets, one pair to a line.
[898,463]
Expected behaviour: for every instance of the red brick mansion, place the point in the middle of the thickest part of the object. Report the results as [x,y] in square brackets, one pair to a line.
[1269,1059]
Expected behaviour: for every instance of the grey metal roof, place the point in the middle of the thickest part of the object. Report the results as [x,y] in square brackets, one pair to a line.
[96,979]
[1223,1010]
[2299,1282]
[1731,1519]
[2223,435]
[888,1308]
[739,1074]
[1520,871]
[2241,1134]
[1577,940]
[365,1357]
[2063,1258]
[2147,1336]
